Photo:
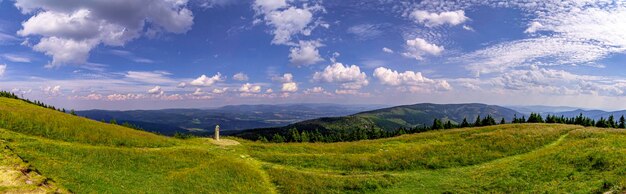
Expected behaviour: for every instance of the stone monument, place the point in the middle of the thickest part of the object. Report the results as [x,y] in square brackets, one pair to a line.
[217,132]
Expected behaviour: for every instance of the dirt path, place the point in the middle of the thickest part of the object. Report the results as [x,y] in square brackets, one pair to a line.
[16,177]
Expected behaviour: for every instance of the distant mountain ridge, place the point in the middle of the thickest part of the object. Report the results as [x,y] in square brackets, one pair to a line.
[230,118]
[406,116]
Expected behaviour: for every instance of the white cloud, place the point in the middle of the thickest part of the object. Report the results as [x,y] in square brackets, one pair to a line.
[350,77]
[316,90]
[533,27]
[542,50]
[286,22]
[124,97]
[182,85]
[52,90]
[269,90]
[306,53]
[198,92]
[156,90]
[287,77]
[92,96]
[290,22]
[468,28]
[558,82]
[387,50]
[240,77]
[154,77]
[16,58]
[266,6]
[290,87]
[3,69]
[70,30]
[418,47]
[249,88]
[429,19]
[219,90]
[203,80]
[414,80]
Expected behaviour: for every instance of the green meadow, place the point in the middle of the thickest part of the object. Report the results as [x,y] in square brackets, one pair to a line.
[66,153]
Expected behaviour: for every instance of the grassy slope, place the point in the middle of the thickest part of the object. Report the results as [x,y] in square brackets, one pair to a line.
[19,116]
[86,156]
[508,159]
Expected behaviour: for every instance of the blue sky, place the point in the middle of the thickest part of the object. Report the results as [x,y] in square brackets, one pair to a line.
[118,54]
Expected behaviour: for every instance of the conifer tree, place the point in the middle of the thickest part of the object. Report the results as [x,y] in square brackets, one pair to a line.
[464,123]
[437,125]
[477,122]
[622,122]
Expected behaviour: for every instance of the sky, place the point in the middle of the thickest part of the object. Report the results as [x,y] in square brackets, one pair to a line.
[155,54]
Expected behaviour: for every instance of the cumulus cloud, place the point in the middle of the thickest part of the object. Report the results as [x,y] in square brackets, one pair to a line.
[52,90]
[219,90]
[124,97]
[306,53]
[286,20]
[3,68]
[417,48]
[249,88]
[71,29]
[198,92]
[349,77]
[182,85]
[533,27]
[240,77]
[288,85]
[316,90]
[157,90]
[414,80]
[203,80]
[429,19]
[387,50]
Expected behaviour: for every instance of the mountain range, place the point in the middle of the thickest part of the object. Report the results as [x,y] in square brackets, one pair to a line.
[230,118]
[388,119]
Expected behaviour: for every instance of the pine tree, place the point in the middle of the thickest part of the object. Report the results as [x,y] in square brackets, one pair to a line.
[502,122]
[622,122]
[611,122]
[464,123]
[437,125]
[477,123]
[277,138]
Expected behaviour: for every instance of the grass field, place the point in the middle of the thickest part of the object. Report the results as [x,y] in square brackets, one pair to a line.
[73,154]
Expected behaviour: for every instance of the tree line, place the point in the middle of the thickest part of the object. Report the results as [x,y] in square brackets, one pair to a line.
[12,95]
[356,134]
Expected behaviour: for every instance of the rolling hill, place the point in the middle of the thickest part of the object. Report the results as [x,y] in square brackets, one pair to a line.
[390,119]
[64,153]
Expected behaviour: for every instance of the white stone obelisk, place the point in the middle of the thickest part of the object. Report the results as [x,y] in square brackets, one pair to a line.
[217,132]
